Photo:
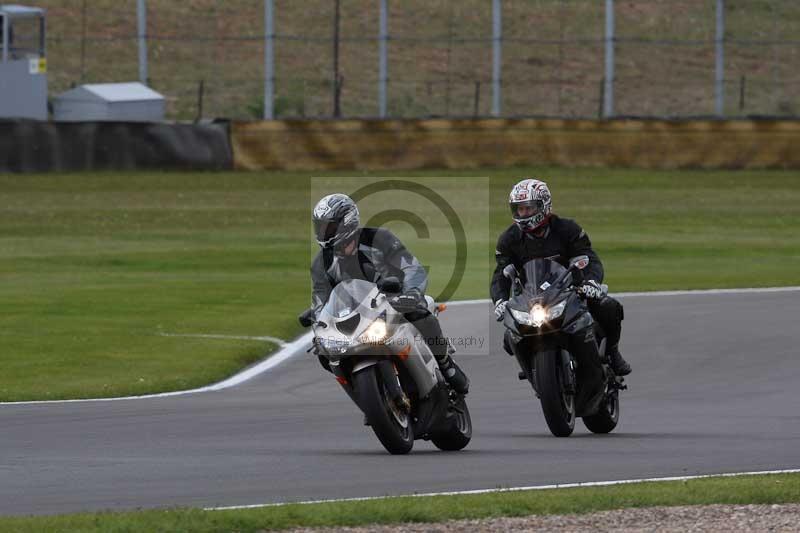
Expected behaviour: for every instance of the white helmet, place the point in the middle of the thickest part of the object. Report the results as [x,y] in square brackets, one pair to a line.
[530,193]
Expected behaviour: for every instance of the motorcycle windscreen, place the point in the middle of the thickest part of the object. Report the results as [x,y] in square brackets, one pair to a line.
[347,296]
[539,275]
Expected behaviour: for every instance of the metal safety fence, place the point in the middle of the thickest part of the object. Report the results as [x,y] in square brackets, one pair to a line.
[437,58]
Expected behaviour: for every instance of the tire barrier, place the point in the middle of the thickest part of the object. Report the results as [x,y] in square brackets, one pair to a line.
[33,146]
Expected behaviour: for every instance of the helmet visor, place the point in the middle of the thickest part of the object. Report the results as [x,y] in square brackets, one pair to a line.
[522,210]
[326,231]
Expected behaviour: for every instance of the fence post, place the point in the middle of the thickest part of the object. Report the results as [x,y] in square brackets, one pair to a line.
[477,100]
[83,40]
[742,83]
[719,78]
[608,88]
[337,110]
[497,44]
[141,12]
[5,40]
[200,95]
[269,60]
[383,36]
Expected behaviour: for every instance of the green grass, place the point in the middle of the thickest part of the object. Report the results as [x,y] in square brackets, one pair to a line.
[95,267]
[766,489]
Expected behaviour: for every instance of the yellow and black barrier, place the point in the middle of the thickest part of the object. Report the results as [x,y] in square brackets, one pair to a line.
[440,143]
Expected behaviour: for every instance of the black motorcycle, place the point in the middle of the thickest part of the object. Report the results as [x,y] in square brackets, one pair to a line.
[558,346]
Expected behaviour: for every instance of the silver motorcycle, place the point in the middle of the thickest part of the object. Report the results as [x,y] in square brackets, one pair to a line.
[384,365]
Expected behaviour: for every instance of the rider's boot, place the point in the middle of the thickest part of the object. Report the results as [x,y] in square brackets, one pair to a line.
[618,364]
[429,327]
[453,374]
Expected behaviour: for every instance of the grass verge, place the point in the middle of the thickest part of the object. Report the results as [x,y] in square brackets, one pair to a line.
[94,268]
[763,489]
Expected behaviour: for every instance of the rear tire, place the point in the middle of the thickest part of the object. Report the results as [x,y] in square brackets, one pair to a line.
[606,419]
[459,428]
[391,427]
[557,405]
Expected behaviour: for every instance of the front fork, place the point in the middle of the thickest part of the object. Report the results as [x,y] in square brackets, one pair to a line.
[388,374]
[527,349]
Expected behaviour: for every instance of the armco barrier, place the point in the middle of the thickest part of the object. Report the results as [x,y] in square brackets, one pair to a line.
[32,146]
[410,144]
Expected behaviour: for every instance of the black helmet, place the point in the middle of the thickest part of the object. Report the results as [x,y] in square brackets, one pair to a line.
[335,219]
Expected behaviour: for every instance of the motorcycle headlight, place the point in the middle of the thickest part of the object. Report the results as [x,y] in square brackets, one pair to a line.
[539,314]
[375,333]
[521,316]
[333,346]
[536,317]
[556,310]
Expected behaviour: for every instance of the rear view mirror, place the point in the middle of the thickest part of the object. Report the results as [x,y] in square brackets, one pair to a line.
[307,318]
[390,284]
[510,271]
[580,262]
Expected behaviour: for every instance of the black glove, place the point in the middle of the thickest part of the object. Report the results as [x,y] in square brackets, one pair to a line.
[592,290]
[307,318]
[409,301]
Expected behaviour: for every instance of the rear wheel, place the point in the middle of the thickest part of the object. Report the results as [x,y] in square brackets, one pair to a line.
[606,418]
[458,431]
[391,424]
[558,405]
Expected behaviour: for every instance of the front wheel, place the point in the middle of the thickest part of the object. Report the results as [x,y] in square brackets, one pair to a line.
[557,404]
[390,423]
[458,431]
[607,417]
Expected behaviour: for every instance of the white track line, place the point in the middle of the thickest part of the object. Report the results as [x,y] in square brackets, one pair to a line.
[509,489]
[288,350]
[695,292]
[291,348]
[703,292]
[273,340]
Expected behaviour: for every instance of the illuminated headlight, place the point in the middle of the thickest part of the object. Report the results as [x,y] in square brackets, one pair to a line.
[538,314]
[375,333]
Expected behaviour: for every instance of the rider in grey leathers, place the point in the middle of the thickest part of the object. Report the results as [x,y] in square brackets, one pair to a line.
[349,251]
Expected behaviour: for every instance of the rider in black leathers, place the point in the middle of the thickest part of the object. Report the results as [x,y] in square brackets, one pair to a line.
[539,233]
[352,252]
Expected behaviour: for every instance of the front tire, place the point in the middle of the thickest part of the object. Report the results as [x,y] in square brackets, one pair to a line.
[558,406]
[458,432]
[392,427]
[607,417]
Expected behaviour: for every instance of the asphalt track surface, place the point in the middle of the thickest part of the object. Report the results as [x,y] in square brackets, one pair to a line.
[714,389]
